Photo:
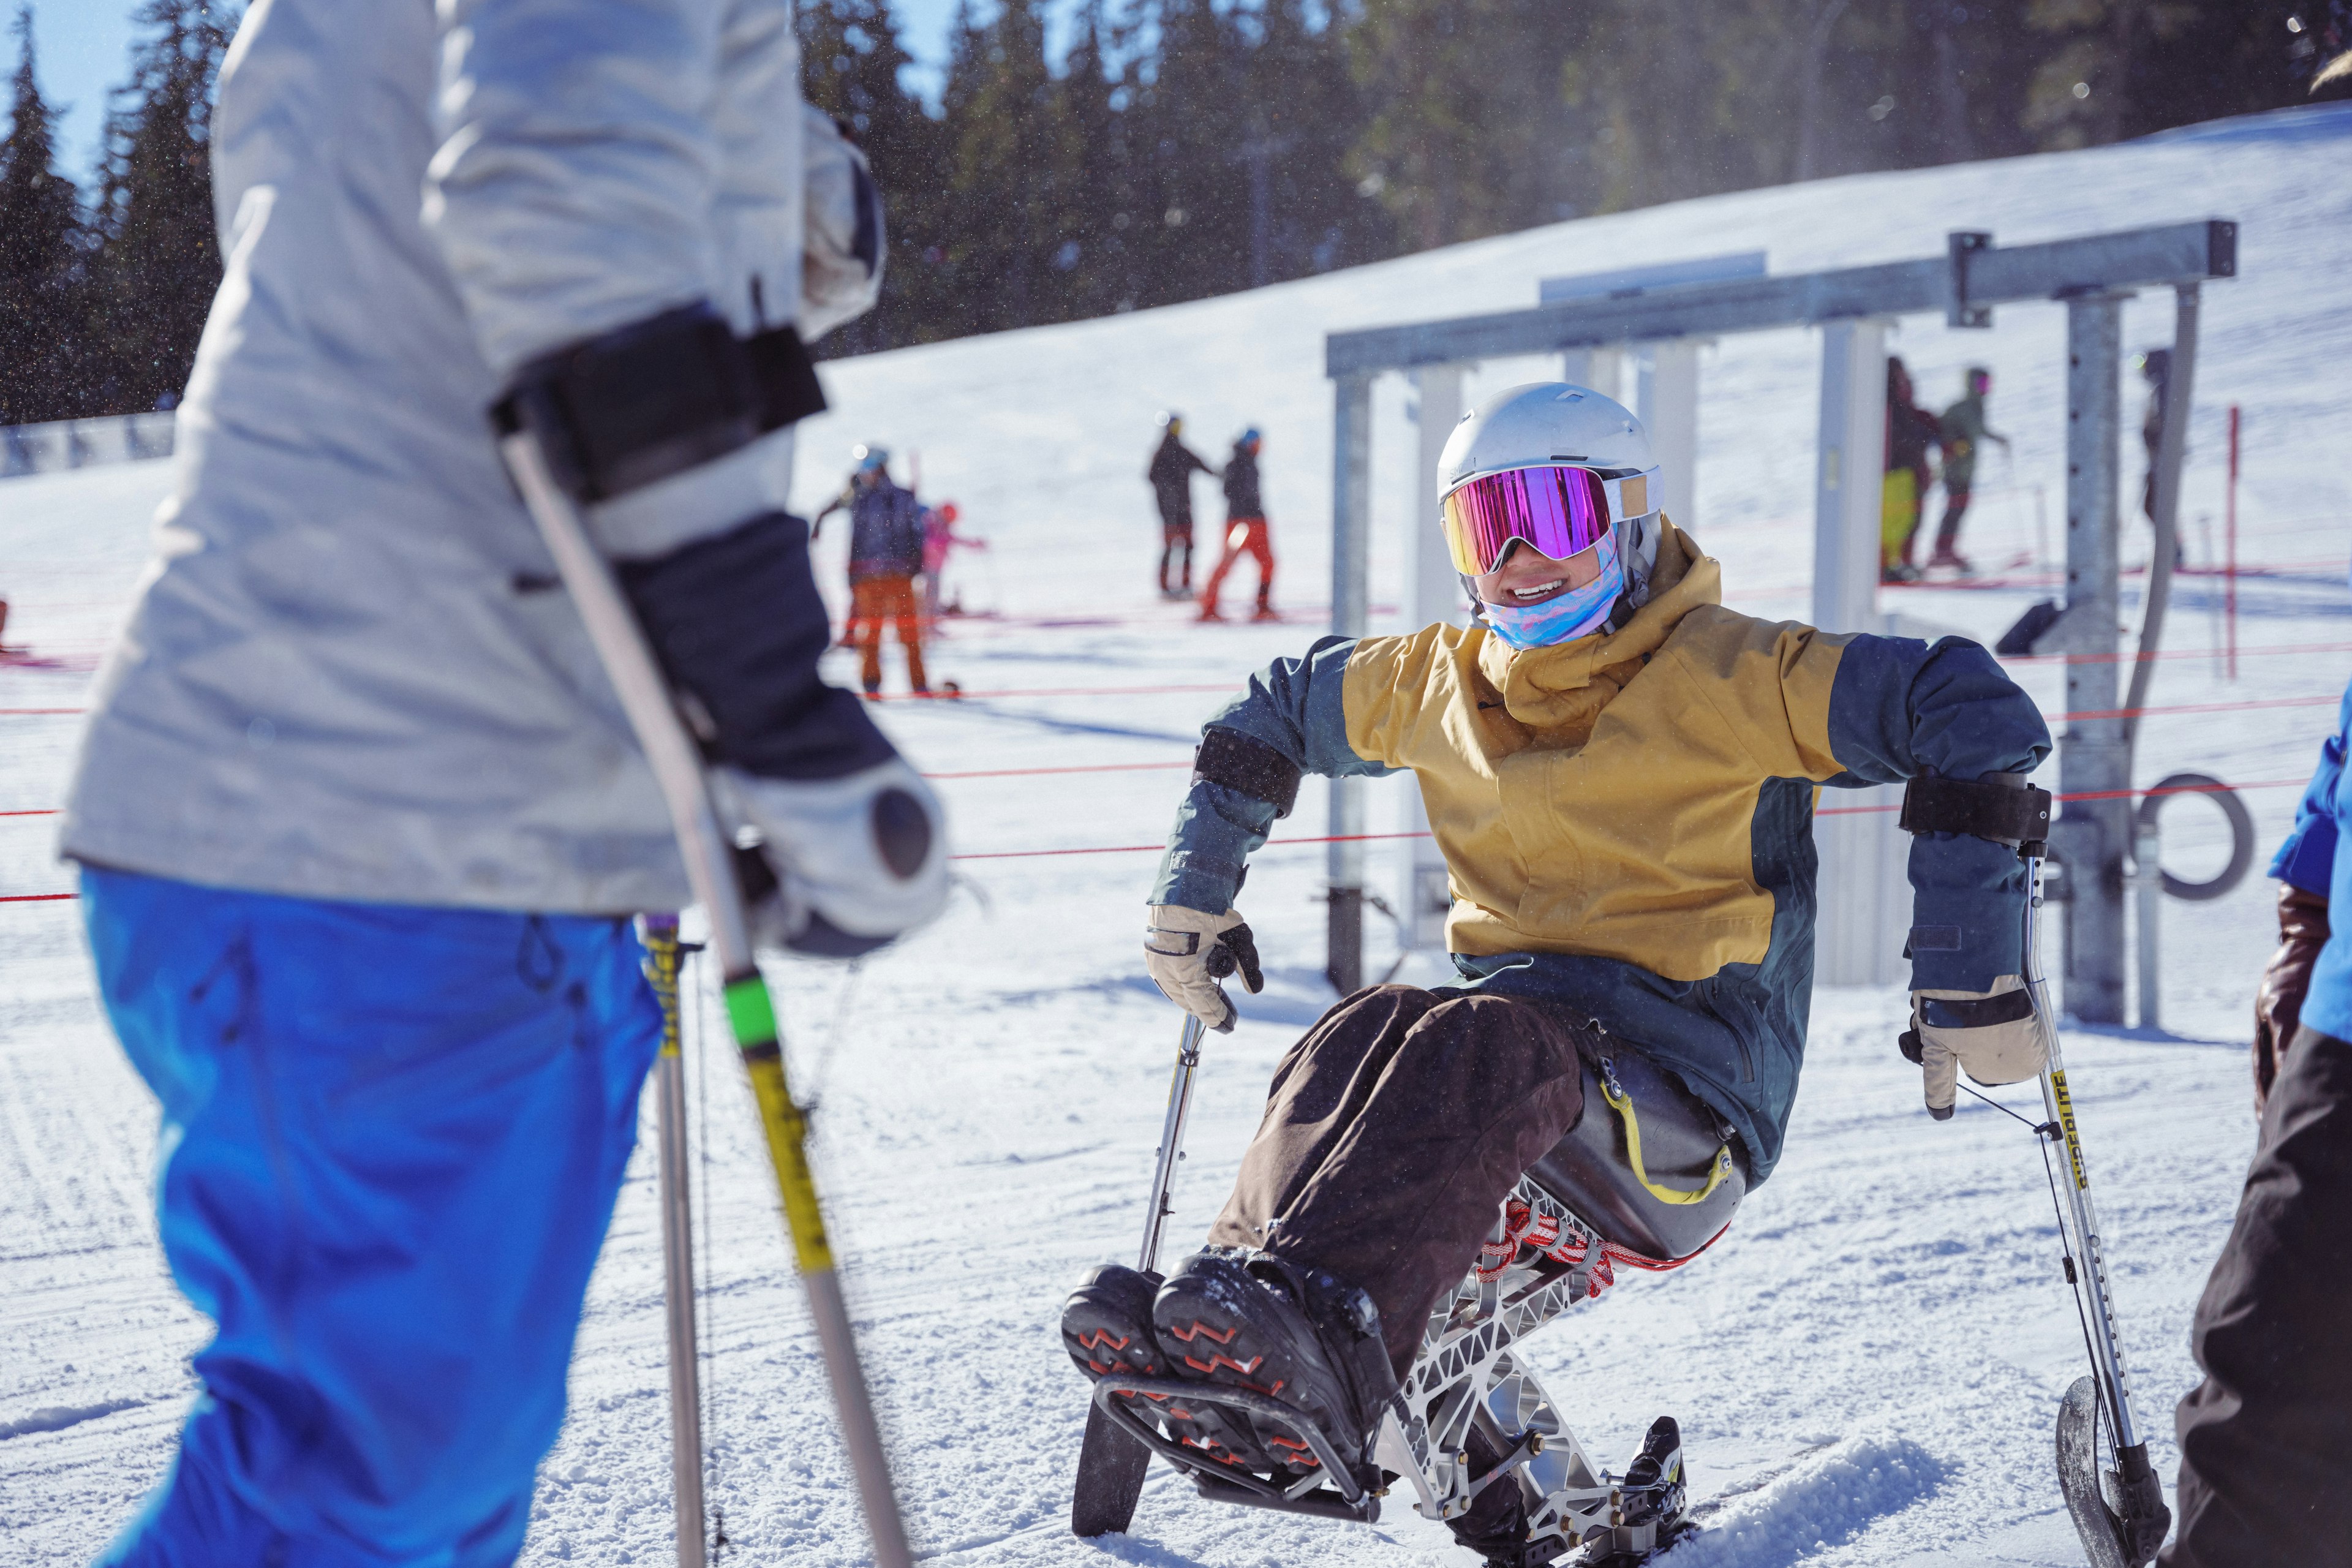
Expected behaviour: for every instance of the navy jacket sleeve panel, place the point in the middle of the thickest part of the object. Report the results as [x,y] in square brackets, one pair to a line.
[2307,858]
[1297,707]
[1900,708]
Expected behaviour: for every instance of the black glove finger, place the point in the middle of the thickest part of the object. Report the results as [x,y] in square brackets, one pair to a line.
[1909,1044]
[1220,964]
[1244,949]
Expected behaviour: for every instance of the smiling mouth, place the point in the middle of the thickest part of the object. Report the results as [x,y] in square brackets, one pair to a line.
[1540,591]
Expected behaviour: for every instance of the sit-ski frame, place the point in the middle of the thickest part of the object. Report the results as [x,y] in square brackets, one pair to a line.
[1466,1375]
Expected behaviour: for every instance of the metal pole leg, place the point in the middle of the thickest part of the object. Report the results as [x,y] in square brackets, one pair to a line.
[2135,1520]
[660,933]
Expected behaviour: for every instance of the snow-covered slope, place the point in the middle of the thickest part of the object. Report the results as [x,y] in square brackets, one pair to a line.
[1866,1370]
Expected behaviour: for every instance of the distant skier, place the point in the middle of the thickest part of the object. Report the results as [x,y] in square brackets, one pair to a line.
[1910,431]
[1173,464]
[1620,775]
[2266,1439]
[940,541]
[1246,530]
[1964,433]
[359,818]
[886,554]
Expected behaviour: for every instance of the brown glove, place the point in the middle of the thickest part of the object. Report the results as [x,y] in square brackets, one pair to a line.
[2278,1006]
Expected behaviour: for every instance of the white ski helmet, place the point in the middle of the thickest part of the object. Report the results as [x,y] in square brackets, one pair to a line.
[1549,422]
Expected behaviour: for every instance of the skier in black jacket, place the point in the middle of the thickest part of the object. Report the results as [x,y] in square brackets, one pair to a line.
[1173,467]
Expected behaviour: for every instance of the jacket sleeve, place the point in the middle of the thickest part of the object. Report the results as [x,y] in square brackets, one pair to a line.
[575,187]
[1899,707]
[1851,710]
[1295,707]
[600,165]
[2307,858]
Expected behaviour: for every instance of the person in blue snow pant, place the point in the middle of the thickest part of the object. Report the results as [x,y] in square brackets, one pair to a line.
[2266,1439]
[362,825]
[390,1142]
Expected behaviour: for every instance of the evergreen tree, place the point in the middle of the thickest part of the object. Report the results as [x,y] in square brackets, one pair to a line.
[1474,132]
[1007,164]
[158,261]
[1301,76]
[40,235]
[852,55]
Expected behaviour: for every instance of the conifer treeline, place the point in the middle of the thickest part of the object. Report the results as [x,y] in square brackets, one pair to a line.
[1192,147]
[1184,148]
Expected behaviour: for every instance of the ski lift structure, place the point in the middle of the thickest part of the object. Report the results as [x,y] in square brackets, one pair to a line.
[1659,318]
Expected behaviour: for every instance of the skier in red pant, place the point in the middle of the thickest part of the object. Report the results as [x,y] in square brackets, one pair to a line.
[1246,530]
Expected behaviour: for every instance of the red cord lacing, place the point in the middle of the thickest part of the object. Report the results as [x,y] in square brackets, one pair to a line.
[1523,1227]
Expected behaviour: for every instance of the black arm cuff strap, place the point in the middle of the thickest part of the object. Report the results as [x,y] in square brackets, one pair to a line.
[644,402]
[1994,811]
[1247,766]
[1979,1012]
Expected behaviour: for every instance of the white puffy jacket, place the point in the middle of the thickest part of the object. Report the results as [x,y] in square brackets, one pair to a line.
[350,673]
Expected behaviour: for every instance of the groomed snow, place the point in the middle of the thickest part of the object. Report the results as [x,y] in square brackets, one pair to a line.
[1866,1370]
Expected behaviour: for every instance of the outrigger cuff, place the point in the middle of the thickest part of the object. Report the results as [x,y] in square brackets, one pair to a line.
[2002,808]
[1247,766]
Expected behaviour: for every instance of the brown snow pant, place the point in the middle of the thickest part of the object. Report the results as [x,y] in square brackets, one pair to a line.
[1392,1133]
[2266,1439]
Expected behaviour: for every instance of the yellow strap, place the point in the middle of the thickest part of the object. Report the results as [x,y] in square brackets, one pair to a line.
[1622,1104]
[662,957]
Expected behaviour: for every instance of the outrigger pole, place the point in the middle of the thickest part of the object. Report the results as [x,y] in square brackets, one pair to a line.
[646,698]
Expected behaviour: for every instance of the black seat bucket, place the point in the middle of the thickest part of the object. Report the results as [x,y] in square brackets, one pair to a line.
[1591,1172]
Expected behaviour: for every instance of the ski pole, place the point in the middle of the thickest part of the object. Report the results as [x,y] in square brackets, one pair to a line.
[662,958]
[751,1012]
[2100,1328]
[1171,1140]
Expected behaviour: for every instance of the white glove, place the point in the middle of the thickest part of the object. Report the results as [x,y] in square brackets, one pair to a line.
[1188,953]
[1993,1034]
[858,861]
[842,248]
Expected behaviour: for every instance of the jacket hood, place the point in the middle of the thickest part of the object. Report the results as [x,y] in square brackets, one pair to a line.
[1560,691]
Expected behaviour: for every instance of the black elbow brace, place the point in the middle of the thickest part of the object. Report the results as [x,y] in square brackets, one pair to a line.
[1247,765]
[641,402]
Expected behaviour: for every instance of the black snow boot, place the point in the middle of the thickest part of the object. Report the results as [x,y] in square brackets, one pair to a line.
[1249,1320]
[1653,1481]
[1107,1329]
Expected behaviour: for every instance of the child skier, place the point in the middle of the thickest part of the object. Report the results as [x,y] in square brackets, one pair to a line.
[940,541]
[1246,530]
[1620,774]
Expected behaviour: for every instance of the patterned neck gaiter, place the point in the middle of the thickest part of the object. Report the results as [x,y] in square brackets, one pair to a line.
[1568,617]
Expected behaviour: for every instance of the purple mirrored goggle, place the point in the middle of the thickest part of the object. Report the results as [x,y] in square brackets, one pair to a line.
[1560,509]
